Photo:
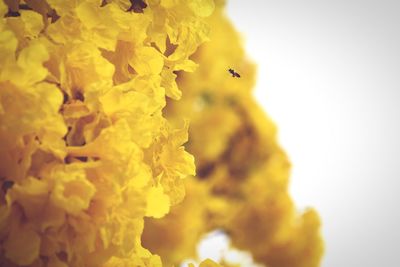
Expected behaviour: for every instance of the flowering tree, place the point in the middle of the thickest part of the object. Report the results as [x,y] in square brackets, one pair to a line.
[95,100]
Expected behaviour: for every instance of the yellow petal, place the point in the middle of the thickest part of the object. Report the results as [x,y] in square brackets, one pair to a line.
[31,61]
[168,82]
[157,203]
[33,23]
[209,263]
[22,245]
[202,8]
[72,191]
[147,60]
[8,43]
[3,8]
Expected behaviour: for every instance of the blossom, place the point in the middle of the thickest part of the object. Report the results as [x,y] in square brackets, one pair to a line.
[85,150]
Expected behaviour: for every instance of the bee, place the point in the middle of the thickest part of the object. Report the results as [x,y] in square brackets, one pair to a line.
[234,73]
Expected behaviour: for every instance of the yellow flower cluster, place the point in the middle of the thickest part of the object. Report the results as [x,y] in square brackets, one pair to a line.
[85,151]
[241,185]
[92,162]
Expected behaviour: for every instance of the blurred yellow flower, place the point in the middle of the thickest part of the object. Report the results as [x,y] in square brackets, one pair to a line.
[241,185]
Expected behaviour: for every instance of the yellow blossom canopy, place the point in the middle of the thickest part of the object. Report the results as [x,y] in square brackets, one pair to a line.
[97,158]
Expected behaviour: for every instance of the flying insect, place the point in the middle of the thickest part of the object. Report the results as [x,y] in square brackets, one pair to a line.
[234,73]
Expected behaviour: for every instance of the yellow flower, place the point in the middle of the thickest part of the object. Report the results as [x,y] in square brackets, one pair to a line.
[85,150]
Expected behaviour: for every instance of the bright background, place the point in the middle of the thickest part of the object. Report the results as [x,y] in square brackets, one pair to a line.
[329,76]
